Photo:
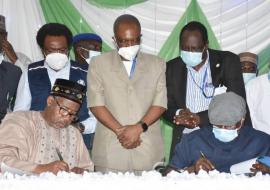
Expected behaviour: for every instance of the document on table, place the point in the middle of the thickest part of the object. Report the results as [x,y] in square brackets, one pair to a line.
[243,167]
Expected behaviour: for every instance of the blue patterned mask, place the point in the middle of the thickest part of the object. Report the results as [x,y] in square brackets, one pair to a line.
[191,59]
[225,135]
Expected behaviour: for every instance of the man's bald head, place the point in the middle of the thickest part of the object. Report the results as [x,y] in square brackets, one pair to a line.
[127,20]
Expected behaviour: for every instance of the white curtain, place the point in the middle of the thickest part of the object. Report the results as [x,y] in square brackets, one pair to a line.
[239,25]
[23,19]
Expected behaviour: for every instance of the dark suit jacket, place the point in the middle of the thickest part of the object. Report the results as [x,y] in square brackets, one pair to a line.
[9,78]
[225,70]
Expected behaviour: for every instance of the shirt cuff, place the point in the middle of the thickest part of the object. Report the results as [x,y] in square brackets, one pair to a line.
[177,111]
[90,125]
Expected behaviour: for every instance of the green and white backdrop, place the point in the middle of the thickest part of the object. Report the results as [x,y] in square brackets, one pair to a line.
[234,25]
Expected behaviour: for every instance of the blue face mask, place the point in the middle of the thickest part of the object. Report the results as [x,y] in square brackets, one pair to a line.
[191,59]
[225,135]
[248,76]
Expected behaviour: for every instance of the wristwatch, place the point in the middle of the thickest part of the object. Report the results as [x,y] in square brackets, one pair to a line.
[143,125]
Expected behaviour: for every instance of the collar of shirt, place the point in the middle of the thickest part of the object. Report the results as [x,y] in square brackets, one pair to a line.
[63,73]
[128,66]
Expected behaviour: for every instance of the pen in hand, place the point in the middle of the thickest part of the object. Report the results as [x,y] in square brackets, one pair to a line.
[59,154]
[204,157]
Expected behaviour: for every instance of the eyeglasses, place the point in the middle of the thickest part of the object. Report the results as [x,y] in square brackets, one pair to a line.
[64,111]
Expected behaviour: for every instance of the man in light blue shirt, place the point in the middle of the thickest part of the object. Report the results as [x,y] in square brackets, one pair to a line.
[55,41]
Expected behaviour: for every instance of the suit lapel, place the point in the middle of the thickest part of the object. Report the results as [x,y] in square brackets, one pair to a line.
[182,77]
[140,68]
[215,66]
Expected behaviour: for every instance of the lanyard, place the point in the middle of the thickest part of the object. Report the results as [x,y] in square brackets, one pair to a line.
[203,85]
[132,68]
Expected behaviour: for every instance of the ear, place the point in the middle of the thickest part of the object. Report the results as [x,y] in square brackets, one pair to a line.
[50,101]
[241,123]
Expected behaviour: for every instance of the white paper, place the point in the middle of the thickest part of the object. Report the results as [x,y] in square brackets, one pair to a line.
[6,168]
[243,167]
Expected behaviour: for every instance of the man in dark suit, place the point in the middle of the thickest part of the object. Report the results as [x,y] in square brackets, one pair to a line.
[195,77]
[9,74]
[9,78]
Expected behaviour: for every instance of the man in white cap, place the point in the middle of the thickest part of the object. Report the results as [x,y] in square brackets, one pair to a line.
[7,52]
[249,65]
[225,143]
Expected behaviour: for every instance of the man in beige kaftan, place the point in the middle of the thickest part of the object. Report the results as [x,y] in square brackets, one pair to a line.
[28,140]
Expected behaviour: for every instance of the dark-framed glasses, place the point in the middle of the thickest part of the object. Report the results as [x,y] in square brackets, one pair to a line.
[65,112]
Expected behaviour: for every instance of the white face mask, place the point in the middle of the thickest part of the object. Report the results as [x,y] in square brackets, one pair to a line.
[248,76]
[129,53]
[91,54]
[56,61]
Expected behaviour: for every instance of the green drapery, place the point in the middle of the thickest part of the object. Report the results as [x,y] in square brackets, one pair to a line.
[63,11]
[116,4]
[170,49]
[264,60]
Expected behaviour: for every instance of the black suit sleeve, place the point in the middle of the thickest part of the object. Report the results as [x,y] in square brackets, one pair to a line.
[233,78]
[9,78]
[171,105]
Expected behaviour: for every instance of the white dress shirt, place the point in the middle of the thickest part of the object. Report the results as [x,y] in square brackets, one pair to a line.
[23,61]
[128,66]
[258,99]
[24,98]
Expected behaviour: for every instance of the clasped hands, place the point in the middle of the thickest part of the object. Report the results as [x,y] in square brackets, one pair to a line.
[187,118]
[129,135]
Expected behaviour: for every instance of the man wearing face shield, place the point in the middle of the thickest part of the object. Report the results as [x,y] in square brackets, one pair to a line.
[127,94]
[225,143]
[194,77]
[86,46]
[55,41]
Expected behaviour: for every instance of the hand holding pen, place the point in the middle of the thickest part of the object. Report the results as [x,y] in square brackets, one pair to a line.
[203,163]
